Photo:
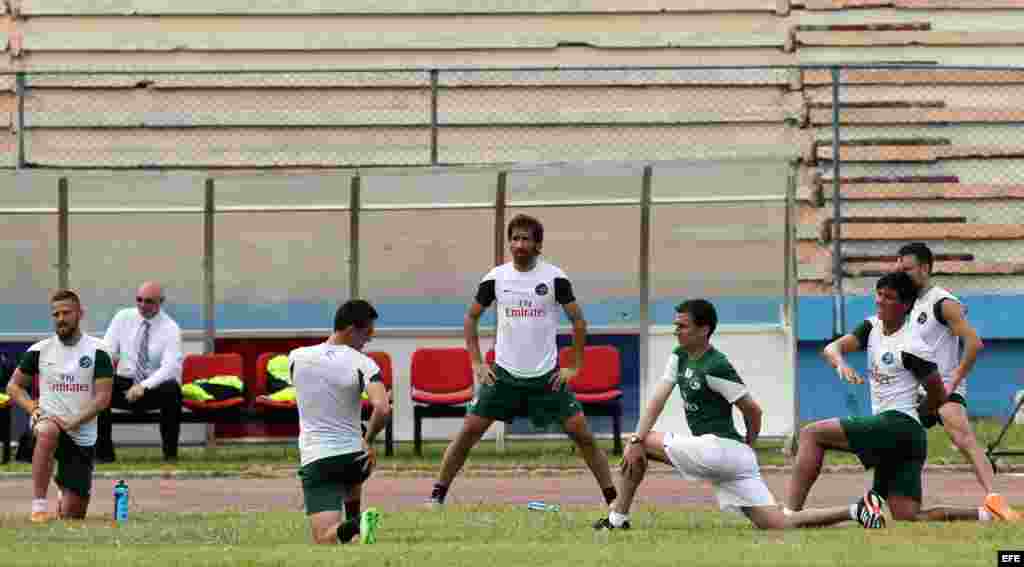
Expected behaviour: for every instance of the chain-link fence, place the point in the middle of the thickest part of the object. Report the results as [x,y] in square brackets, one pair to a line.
[397,118]
[928,152]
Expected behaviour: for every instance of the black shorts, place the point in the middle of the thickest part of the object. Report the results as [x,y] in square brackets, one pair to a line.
[74,466]
[327,482]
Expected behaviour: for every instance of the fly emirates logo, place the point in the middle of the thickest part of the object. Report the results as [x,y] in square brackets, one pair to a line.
[67,385]
[524,309]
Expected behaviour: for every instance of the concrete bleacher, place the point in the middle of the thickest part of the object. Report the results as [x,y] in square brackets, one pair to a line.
[927,154]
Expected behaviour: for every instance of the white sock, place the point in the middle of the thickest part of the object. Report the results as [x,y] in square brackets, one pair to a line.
[617,519]
[984,515]
[786,511]
[853,511]
[39,505]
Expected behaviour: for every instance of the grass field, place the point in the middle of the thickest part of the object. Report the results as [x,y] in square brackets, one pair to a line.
[237,458]
[496,536]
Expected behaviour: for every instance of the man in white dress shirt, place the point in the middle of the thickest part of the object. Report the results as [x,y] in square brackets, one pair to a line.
[145,344]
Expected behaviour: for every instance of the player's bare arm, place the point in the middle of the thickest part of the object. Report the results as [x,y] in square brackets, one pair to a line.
[378,395]
[102,390]
[833,353]
[470,330]
[635,455]
[953,312]
[18,388]
[936,394]
[579,340]
[752,413]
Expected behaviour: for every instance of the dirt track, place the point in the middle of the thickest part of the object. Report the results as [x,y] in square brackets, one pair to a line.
[397,492]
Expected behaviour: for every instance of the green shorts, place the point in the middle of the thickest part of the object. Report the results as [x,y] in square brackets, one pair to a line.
[895,445]
[930,420]
[328,482]
[74,466]
[511,397]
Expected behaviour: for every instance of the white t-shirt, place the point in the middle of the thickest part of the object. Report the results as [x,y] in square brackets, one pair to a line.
[67,377]
[124,336]
[894,373]
[529,309]
[329,381]
[932,335]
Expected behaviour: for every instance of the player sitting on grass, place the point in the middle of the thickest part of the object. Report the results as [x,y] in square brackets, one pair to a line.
[892,440]
[710,387]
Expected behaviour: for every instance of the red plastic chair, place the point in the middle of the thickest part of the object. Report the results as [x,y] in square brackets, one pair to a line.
[596,385]
[259,387]
[441,381]
[383,361]
[199,366]
[268,406]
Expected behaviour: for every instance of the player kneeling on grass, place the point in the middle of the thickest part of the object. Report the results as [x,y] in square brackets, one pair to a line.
[336,457]
[75,381]
[709,387]
[892,440]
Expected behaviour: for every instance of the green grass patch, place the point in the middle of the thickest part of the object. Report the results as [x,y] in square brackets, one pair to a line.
[495,536]
[552,453]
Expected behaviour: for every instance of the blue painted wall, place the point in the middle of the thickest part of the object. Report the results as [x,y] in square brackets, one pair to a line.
[990,387]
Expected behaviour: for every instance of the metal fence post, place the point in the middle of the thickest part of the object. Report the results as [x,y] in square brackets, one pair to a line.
[839,302]
[209,288]
[355,202]
[19,90]
[433,116]
[500,205]
[209,291]
[644,277]
[793,289]
[500,200]
[63,241]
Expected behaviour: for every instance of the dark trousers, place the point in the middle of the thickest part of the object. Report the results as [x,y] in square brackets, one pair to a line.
[166,397]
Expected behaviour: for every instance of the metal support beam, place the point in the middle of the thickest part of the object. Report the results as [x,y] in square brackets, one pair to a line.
[63,241]
[839,303]
[644,278]
[19,91]
[355,203]
[433,116]
[500,205]
[209,285]
[209,291]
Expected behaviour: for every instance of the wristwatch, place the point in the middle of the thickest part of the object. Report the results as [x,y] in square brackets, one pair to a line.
[633,439]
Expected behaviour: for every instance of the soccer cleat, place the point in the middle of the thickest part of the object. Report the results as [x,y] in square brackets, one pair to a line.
[40,517]
[997,506]
[368,522]
[871,510]
[606,524]
[436,499]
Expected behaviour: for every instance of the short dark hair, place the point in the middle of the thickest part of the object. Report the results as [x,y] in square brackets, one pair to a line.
[357,312]
[702,312]
[921,252]
[901,283]
[528,223]
[65,295]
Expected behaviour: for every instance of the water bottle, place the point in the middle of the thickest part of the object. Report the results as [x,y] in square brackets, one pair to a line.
[121,501]
[542,507]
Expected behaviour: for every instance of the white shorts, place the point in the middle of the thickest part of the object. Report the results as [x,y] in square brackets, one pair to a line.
[731,467]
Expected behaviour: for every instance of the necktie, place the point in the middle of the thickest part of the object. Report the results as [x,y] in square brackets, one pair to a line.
[142,360]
